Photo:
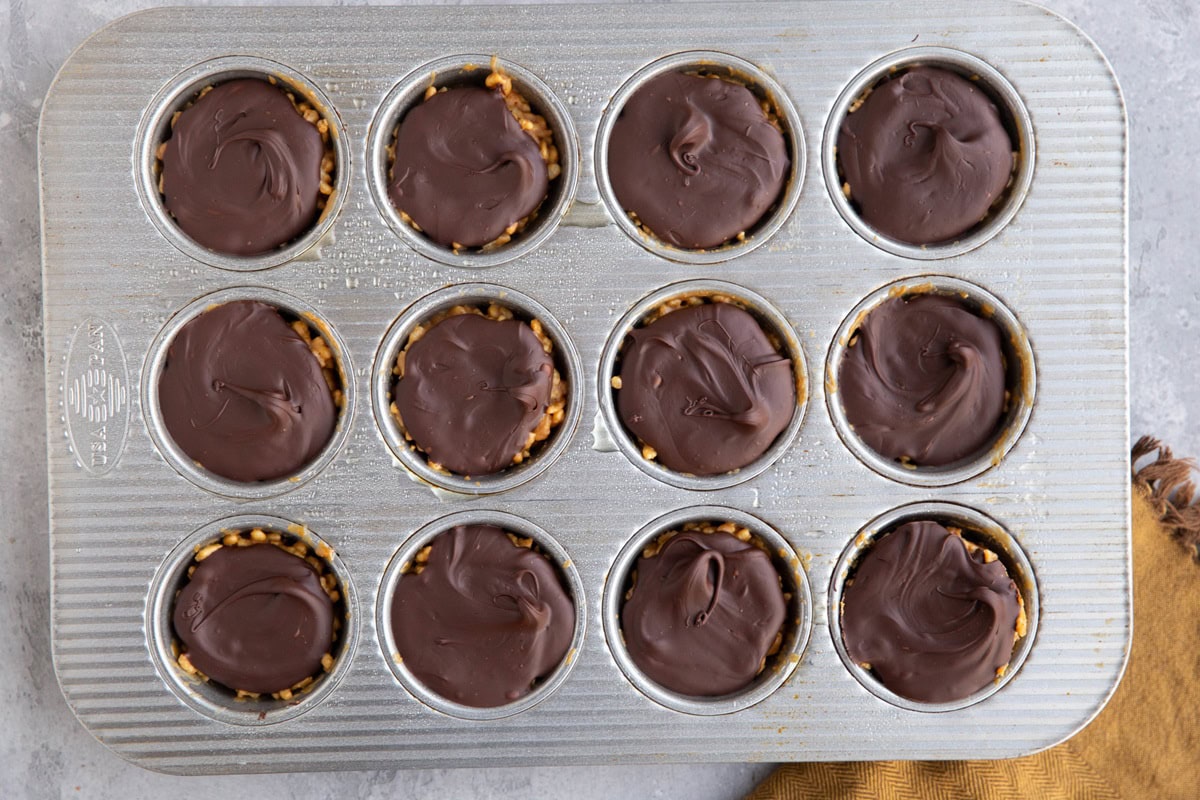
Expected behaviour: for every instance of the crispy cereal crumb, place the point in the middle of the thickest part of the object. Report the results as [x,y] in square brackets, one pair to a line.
[207,551]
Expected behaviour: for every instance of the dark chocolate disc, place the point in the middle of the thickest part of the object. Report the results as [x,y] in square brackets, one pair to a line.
[696,159]
[241,172]
[464,170]
[703,614]
[705,388]
[484,620]
[925,156]
[242,394]
[933,621]
[255,618]
[473,390]
[924,380]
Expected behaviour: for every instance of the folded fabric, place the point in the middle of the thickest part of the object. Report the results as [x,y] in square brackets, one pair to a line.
[1146,741]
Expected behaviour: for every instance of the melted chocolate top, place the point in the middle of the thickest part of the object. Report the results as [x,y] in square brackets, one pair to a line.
[703,613]
[705,388]
[473,390]
[242,169]
[484,619]
[925,380]
[242,394]
[255,618]
[925,156]
[464,169]
[696,159]
[933,621]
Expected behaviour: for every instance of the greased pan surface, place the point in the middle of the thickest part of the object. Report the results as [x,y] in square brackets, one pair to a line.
[120,510]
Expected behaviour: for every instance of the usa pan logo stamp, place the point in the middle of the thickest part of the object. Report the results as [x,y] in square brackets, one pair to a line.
[95,396]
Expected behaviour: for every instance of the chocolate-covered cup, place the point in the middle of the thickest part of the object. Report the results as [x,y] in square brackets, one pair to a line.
[700,157]
[930,380]
[252,620]
[241,163]
[246,392]
[473,160]
[928,153]
[702,384]
[498,366]
[480,614]
[933,606]
[707,610]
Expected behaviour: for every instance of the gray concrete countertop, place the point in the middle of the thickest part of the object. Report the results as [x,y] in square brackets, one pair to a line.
[44,752]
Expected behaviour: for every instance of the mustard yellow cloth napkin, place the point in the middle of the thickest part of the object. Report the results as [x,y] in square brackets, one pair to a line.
[1146,741]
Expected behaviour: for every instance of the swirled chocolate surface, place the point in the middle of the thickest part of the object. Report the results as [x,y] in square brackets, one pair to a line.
[254,618]
[242,394]
[241,172]
[464,170]
[483,620]
[925,380]
[703,614]
[696,159]
[705,388]
[473,390]
[925,156]
[933,621]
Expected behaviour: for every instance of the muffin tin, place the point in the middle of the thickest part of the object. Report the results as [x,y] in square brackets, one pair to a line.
[126,510]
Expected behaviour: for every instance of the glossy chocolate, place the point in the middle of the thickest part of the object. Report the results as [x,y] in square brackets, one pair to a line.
[703,614]
[242,394]
[241,172]
[473,390]
[464,170]
[705,388]
[255,618]
[924,380]
[933,621]
[696,159]
[926,156]
[484,620]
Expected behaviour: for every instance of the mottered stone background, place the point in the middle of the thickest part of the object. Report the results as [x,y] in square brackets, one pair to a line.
[44,752]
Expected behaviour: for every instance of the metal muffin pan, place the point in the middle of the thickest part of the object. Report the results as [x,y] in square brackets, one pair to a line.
[115,277]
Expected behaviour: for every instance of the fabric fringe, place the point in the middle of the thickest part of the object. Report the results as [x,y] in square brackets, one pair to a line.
[1168,484]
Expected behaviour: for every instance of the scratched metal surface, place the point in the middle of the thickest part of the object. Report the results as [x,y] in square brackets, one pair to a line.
[117,508]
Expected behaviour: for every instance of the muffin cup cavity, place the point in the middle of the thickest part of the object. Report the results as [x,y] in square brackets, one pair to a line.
[1021,381]
[406,556]
[773,323]
[797,625]
[292,309]
[185,88]
[763,86]
[1013,114]
[210,698]
[977,528]
[476,295]
[473,70]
